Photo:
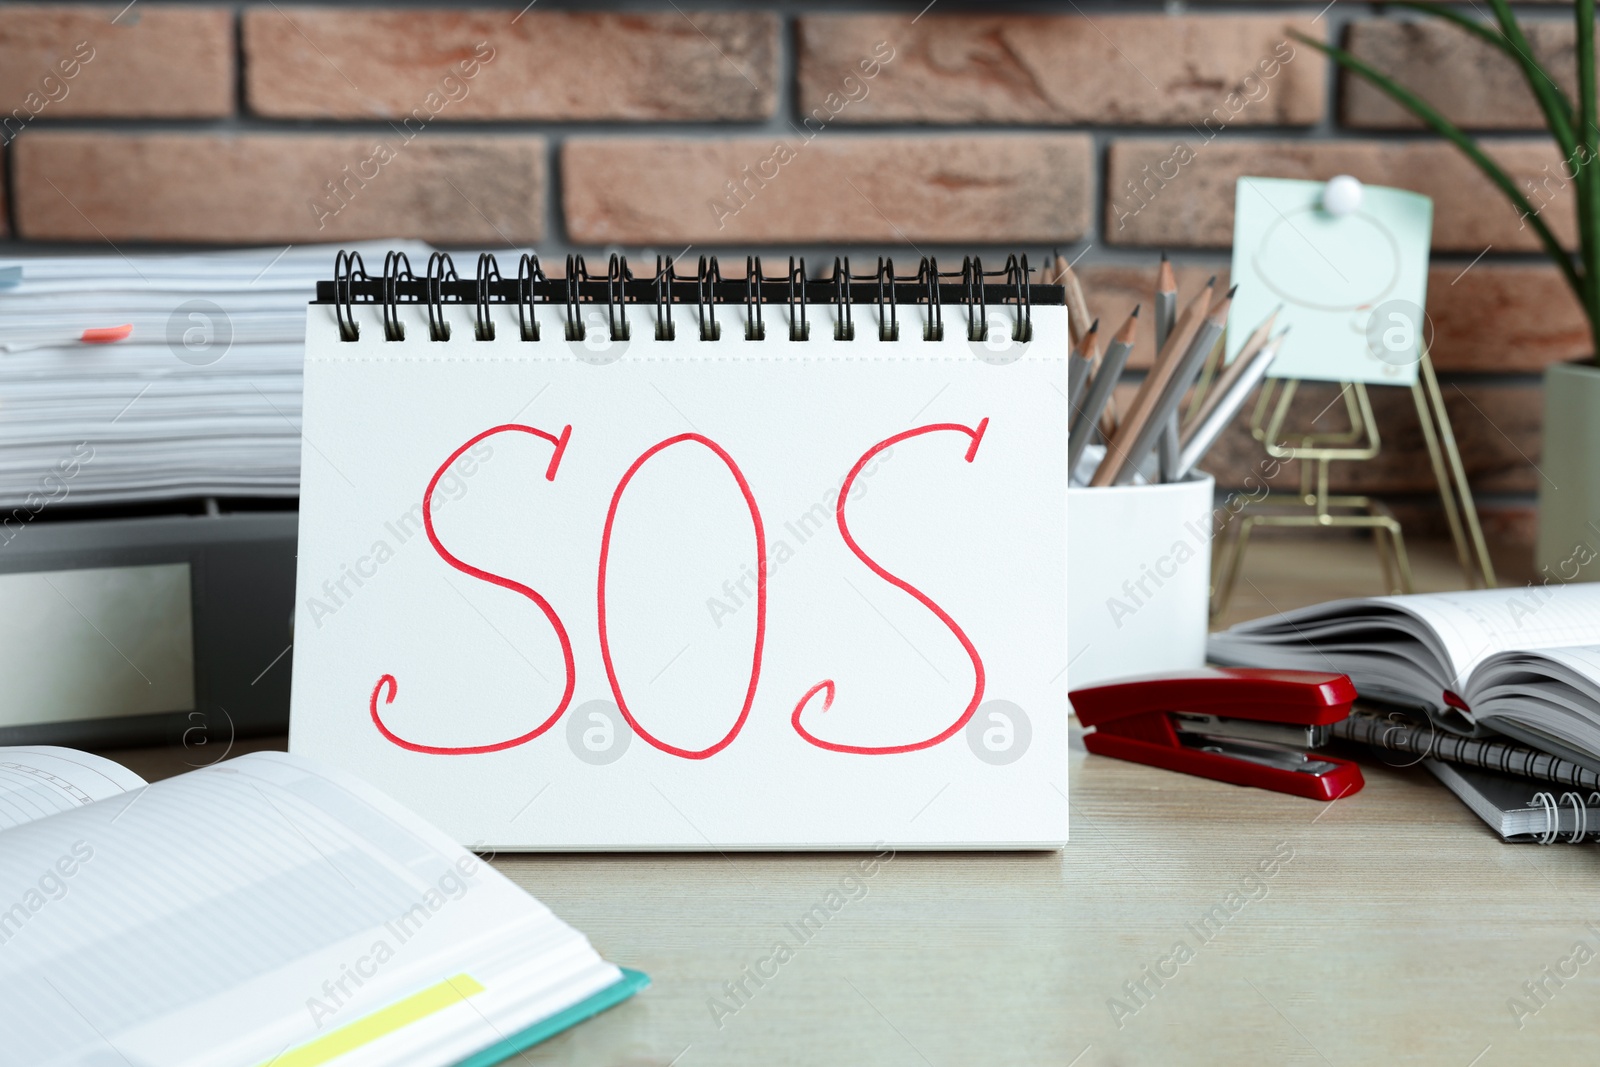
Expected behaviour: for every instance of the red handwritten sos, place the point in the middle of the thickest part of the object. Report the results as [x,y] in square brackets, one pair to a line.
[388,687]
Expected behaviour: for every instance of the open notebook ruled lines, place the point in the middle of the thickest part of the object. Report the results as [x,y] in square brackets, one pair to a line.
[35,782]
[1478,624]
[27,793]
[169,960]
[154,950]
[200,913]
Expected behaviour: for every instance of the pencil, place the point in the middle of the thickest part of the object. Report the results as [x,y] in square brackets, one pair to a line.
[1167,446]
[1166,301]
[1077,306]
[1144,401]
[1099,392]
[1226,400]
[1241,362]
[1108,417]
[1080,364]
[1207,374]
[1165,407]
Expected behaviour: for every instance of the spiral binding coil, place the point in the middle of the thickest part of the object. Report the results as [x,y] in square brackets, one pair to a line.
[440,270]
[1011,287]
[928,274]
[754,328]
[577,275]
[888,320]
[799,328]
[348,269]
[705,286]
[617,275]
[529,274]
[396,266]
[488,271]
[666,275]
[1552,815]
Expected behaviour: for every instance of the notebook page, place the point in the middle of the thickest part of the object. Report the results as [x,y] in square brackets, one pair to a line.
[44,780]
[1475,624]
[243,910]
[642,501]
[1583,660]
[1549,698]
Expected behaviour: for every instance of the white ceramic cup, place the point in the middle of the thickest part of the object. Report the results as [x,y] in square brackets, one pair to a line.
[1138,579]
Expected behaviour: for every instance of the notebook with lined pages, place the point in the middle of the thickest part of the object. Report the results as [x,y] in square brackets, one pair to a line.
[264,911]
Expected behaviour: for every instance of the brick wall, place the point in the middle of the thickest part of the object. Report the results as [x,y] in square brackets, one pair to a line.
[647,127]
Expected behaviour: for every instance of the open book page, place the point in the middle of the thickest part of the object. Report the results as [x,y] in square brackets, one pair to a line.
[1390,654]
[43,780]
[266,906]
[1411,648]
[1475,624]
[1548,698]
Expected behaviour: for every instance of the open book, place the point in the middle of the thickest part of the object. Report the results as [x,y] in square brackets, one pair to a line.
[263,911]
[1523,662]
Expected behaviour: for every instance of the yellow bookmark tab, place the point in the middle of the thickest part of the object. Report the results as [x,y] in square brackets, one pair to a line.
[380,1023]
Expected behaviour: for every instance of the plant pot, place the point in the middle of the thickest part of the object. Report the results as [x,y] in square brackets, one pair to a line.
[1569,483]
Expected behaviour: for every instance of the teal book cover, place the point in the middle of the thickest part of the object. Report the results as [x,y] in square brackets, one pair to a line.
[609,997]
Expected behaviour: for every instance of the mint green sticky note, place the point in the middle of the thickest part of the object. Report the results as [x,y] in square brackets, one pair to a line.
[1352,287]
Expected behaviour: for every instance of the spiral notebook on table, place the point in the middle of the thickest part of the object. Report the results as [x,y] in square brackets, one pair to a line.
[1520,810]
[1403,740]
[689,561]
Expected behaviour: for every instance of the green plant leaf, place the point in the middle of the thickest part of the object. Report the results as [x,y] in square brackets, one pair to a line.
[1471,25]
[1557,109]
[1511,41]
[1452,133]
[1558,117]
[1588,180]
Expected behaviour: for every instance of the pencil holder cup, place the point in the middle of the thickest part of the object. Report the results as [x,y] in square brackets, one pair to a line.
[1138,578]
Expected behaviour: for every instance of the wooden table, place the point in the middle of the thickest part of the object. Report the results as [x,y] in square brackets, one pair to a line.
[1389,927]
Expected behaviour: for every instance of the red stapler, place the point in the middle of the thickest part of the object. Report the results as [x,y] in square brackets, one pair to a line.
[1248,727]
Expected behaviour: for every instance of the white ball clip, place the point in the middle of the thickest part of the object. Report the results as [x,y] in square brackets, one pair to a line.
[1342,196]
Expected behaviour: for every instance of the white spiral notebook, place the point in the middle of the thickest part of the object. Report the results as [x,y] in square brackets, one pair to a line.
[662,562]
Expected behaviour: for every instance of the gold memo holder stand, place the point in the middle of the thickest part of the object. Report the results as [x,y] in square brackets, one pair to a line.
[1316,508]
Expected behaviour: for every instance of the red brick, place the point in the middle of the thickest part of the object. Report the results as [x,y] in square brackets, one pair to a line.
[989,189]
[1504,317]
[313,62]
[1487,318]
[1475,85]
[1064,69]
[1195,208]
[156,61]
[92,186]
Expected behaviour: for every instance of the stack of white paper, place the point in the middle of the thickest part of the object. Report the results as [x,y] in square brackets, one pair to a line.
[201,398]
